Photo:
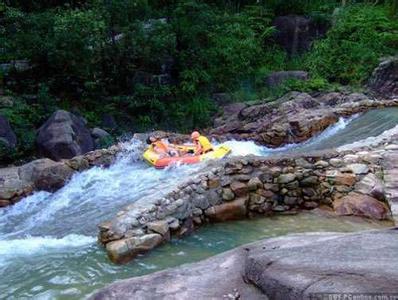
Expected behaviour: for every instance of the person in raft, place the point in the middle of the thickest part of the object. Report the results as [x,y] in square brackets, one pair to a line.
[160,147]
[202,143]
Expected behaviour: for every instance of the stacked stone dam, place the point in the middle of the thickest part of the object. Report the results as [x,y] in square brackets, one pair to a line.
[252,186]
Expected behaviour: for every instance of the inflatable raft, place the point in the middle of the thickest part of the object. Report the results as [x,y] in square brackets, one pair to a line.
[159,162]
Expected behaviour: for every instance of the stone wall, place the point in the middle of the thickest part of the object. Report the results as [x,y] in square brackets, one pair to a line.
[252,186]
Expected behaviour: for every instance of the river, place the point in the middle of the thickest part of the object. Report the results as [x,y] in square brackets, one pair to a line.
[48,243]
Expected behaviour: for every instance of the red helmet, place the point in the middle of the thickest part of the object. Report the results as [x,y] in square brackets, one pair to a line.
[195,135]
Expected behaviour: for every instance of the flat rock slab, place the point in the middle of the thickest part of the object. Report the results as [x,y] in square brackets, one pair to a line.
[209,279]
[296,267]
[289,267]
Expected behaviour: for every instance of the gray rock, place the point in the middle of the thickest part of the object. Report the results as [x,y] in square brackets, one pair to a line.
[286,178]
[371,185]
[161,227]
[358,169]
[309,181]
[284,268]
[296,266]
[227,194]
[203,280]
[63,135]
[12,182]
[7,136]
[123,250]
[277,78]
[48,175]
[384,79]
[98,133]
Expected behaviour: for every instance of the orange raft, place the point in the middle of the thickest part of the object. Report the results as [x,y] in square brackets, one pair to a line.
[159,162]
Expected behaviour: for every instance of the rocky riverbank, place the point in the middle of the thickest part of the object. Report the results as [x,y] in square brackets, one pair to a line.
[349,181]
[294,118]
[301,266]
[48,175]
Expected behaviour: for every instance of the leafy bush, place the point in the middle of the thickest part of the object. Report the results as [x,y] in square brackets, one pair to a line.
[360,36]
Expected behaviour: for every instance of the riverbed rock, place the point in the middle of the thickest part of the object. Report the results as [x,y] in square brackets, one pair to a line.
[371,185]
[384,79]
[233,210]
[48,175]
[123,250]
[277,78]
[355,204]
[213,278]
[7,135]
[299,266]
[239,188]
[358,169]
[339,178]
[13,183]
[286,178]
[290,267]
[161,227]
[63,135]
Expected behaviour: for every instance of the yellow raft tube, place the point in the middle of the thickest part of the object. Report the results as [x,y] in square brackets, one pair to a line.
[159,162]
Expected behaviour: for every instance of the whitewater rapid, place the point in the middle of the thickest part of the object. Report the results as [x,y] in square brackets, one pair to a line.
[68,218]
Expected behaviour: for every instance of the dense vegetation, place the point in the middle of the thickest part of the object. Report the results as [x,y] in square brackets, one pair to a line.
[156,63]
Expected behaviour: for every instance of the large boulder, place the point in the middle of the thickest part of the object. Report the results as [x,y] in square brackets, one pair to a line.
[7,136]
[296,33]
[14,184]
[355,204]
[288,267]
[308,265]
[276,78]
[64,135]
[46,174]
[384,80]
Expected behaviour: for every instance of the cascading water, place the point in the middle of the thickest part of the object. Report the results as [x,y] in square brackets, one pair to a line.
[48,240]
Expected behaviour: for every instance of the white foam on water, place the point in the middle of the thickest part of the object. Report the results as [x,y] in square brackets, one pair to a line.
[244,148]
[34,245]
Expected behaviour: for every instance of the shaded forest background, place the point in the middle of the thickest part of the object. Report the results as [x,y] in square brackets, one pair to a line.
[149,64]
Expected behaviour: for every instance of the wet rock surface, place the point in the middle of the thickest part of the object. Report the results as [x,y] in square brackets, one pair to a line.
[289,267]
[46,174]
[293,118]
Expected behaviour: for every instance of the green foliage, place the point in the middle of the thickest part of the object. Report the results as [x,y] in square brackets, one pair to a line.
[361,35]
[24,118]
[110,56]
[105,142]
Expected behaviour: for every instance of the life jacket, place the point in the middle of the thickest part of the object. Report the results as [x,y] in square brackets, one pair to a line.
[159,146]
[205,144]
